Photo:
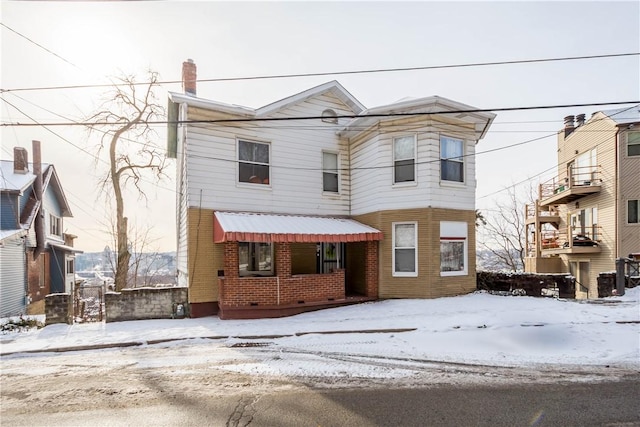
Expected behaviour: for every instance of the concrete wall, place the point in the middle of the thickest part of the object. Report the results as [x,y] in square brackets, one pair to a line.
[57,309]
[145,303]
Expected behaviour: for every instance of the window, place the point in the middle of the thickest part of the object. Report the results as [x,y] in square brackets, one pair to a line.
[633,212]
[405,250]
[453,248]
[329,116]
[55,225]
[583,168]
[253,162]
[70,265]
[404,159]
[255,259]
[451,159]
[633,144]
[330,172]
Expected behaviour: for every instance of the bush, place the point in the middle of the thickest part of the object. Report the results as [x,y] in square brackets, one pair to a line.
[20,324]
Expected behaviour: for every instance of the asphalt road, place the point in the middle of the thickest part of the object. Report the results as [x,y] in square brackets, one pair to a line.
[574,404]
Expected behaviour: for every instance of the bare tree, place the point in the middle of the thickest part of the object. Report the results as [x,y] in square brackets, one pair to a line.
[123,121]
[501,233]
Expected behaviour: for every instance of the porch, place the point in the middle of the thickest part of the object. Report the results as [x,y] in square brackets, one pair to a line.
[280,265]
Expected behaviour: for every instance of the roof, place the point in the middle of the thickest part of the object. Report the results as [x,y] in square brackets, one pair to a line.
[333,86]
[65,248]
[268,228]
[11,181]
[624,116]
[426,105]
[5,234]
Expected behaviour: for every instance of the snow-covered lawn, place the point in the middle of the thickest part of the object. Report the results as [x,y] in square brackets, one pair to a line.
[473,329]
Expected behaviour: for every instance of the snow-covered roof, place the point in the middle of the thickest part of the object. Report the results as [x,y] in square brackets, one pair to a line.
[5,234]
[12,181]
[623,116]
[255,227]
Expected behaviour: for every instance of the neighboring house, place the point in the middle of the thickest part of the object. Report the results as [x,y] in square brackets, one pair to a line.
[589,214]
[36,257]
[279,216]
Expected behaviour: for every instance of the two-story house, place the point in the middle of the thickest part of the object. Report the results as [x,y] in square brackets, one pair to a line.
[315,200]
[587,216]
[36,256]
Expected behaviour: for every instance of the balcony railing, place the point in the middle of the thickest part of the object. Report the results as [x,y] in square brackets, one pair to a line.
[571,240]
[577,182]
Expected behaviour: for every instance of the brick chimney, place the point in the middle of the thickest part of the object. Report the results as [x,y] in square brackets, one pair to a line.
[20,160]
[569,125]
[189,77]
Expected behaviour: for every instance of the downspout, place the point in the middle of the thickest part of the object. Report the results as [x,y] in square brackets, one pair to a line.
[37,189]
[616,187]
[278,283]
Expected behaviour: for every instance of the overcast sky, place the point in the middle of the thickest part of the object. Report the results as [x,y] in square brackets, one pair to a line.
[97,40]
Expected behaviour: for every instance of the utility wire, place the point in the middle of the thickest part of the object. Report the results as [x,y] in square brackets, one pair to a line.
[337,73]
[39,45]
[344,116]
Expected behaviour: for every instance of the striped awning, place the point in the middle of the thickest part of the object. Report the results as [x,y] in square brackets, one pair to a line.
[271,228]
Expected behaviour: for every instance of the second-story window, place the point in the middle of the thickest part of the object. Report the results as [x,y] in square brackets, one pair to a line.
[633,212]
[55,225]
[330,172]
[253,162]
[404,159]
[633,144]
[451,159]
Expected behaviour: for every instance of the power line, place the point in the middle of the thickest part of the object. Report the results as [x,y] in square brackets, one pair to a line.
[350,72]
[343,116]
[39,45]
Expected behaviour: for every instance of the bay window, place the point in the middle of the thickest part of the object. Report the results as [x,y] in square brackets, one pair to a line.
[451,159]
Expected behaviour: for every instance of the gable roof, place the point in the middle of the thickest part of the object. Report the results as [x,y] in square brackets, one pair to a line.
[333,87]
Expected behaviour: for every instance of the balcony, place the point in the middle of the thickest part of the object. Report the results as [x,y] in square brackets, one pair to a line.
[543,215]
[579,182]
[570,241]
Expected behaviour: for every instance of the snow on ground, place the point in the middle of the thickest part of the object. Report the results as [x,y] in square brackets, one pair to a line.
[478,328]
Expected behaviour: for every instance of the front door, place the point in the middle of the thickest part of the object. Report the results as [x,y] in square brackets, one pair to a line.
[330,256]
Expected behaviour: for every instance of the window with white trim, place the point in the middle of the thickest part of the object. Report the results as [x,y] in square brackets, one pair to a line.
[633,144]
[405,249]
[454,250]
[253,162]
[633,211]
[70,265]
[55,225]
[255,259]
[451,159]
[330,172]
[404,159]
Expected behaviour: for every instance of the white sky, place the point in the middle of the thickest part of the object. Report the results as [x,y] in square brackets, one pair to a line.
[477,328]
[242,39]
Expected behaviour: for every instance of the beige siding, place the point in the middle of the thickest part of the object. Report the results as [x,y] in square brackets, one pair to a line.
[205,257]
[429,283]
[598,132]
[629,179]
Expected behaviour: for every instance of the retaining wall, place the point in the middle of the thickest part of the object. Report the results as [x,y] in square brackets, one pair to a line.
[146,303]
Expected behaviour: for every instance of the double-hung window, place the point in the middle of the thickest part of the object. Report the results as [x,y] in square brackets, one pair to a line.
[404,159]
[454,249]
[451,159]
[633,144]
[55,225]
[330,172]
[633,211]
[255,259]
[405,249]
[253,162]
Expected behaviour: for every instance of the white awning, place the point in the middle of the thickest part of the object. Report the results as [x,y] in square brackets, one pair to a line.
[268,228]
[65,248]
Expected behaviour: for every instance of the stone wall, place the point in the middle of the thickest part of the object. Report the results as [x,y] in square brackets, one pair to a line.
[535,285]
[146,303]
[57,309]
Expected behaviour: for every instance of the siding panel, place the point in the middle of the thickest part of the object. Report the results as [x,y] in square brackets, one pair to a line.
[12,277]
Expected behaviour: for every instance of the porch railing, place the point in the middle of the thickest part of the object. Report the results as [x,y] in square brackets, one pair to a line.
[582,176]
